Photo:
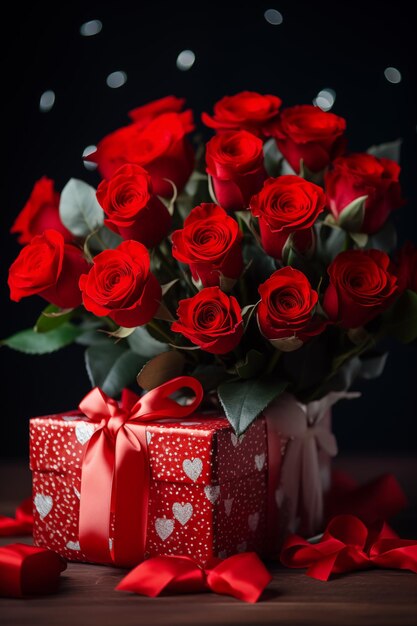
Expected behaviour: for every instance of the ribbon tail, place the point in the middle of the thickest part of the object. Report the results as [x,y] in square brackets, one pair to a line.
[177,574]
[96,496]
[395,554]
[28,570]
[130,495]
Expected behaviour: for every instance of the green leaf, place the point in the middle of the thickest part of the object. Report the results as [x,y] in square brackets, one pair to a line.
[361,239]
[160,369]
[272,158]
[253,363]
[385,239]
[79,209]
[390,150]
[104,239]
[142,343]
[52,317]
[32,342]
[112,367]
[243,401]
[400,320]
[352,216]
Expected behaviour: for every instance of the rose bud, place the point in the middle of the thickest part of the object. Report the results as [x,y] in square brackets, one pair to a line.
[210,243]
[161,147]
[286,312]
[211,320]
[406,264]
[361,287]
[147,112]
[246,110]
[287,205]
[307,133]
[356,175]
[40,212]
[120,285]
[131,208]
[50,268]
[235,161]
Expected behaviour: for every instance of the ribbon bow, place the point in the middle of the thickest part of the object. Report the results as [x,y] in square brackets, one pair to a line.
[301,481]
[115,469]
[347,545]
[243,576]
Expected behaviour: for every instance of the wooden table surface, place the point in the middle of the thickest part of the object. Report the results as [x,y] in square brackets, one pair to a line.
[87,596]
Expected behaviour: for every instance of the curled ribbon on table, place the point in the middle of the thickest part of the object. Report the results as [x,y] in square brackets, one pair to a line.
[348,545]
[301,482]
[27,570]
[242,576]
[21,524]
[115,466]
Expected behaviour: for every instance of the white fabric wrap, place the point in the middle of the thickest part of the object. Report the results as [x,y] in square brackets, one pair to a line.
[301,477]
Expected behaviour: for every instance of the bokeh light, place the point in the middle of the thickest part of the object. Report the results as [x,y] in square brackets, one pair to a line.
[116,79]
[392,75]
[273,17]
[47,101]
[185,60]
[90,28]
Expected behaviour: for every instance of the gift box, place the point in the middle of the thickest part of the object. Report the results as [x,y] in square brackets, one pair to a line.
[207,489]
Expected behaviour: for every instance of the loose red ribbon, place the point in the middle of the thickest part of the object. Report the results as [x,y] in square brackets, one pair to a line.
[242,576]
[21,524]
[347,545]
[379,499]
[115,469]
[27,570]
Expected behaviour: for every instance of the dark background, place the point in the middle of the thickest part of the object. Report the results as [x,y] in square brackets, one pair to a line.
[342,45]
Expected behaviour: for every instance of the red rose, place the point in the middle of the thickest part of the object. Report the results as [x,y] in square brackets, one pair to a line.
[286,312]
[121,285]
[407,267]
[211,320]
[40,212]
[210,243]
[308,133]
[161,148]
[235,161]
[246,110]
[50,268]
[287,205]
[364,174]
[361,287]
[147,112]
[131,208]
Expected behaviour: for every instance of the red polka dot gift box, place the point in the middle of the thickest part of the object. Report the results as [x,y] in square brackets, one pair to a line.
[207,494]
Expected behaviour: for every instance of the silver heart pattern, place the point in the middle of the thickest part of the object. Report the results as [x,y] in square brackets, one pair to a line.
[253,521]
[236,441]
[260,461]
[149,436]
[182,512]
[83,432]
[242,547]
[228,506]
[193,468]
[73,545]
[77,493]
[212,492]
[43,504]
[164,527]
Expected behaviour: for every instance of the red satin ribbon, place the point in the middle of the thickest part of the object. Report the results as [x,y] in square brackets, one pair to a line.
[26,570]
[115,470]
[242,576]
[21,524]
[348,545]
[379,499]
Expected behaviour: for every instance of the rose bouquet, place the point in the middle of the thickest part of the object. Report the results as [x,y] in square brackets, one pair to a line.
[259,262]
